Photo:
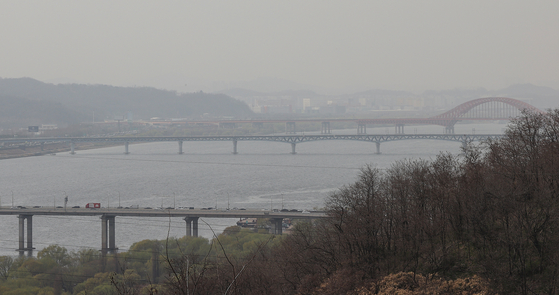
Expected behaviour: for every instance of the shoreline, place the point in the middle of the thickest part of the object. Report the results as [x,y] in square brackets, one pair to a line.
[48,149]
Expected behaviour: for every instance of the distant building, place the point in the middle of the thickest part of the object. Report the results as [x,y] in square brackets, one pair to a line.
[48,127]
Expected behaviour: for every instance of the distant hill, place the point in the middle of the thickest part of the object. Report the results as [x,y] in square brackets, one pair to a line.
[73,103]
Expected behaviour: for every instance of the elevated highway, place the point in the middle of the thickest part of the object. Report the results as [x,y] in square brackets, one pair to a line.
[291,139]
[108,219]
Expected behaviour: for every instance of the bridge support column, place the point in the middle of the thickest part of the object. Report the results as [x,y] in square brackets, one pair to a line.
[449,129]
[180,147]
[72,147]
[277,224]
[290,128]
[191,226]
[22,247]
[378,147]
[126,148]
[325,128]
[361,128]
[399,129]
[234,147]
[108,234]
[293,148]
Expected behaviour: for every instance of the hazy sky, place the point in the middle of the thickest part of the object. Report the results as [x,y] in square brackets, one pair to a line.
[401,45]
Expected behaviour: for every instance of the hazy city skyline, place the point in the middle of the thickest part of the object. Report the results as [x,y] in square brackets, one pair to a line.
[192,46]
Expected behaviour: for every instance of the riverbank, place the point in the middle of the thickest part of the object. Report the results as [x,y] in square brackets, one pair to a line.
[47,149]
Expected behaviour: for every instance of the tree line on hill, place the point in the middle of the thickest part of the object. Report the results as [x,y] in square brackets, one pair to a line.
[26,101]
[483,222]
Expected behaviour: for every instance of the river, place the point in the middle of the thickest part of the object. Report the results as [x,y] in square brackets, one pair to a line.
[262,175]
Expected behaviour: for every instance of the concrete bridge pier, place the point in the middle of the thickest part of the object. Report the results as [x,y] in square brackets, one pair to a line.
[22,247]
[378,147]
[449,129]
[293,148]
[325,128]
[234,147]
[126,148]
[72,147]
[277,224]
[180,147]
[361,128]
[399,129]
[108,233]
[191,226]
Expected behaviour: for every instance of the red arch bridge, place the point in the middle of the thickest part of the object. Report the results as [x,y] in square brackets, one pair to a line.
[481,109]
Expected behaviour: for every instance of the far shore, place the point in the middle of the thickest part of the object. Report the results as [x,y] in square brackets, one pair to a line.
[48,149]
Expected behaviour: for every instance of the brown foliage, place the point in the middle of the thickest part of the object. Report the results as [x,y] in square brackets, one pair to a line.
[415,284]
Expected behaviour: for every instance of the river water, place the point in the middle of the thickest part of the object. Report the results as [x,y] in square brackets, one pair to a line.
[262,175]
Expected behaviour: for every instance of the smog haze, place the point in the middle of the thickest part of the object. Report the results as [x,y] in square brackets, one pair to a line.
[329,46]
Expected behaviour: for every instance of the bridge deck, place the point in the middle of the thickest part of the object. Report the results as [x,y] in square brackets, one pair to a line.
[277,138]
[251,213]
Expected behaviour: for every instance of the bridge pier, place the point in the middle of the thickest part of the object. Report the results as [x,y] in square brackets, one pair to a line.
[399,129]
[361,128]
[277,226]
[234,147]
[293,148]
[325,128]
[449,130]
[191,226]
[126,148]
[72,147]
[22,247]
[108,233]
[180,147]
[378,147]
[290,128]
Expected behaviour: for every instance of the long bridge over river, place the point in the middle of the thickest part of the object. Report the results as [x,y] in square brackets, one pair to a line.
[481,109]
[293,140]
[489,108]
[108,219]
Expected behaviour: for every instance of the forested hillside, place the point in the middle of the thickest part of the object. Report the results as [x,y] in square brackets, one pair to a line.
[27,101]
